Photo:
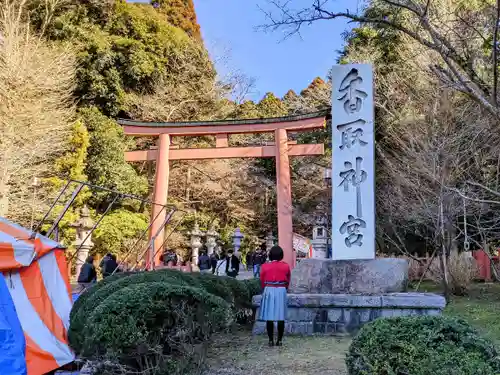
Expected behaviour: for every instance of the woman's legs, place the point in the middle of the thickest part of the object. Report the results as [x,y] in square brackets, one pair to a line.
[270,331]
[281,331]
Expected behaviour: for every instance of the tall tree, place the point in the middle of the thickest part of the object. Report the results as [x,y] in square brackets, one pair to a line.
[181,13]
[36,107]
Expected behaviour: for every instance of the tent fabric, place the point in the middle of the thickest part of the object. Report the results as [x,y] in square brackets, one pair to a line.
[17,250]
[12,341]
[37,279]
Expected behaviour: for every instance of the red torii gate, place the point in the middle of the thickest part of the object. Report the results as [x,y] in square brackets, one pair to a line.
[282,149]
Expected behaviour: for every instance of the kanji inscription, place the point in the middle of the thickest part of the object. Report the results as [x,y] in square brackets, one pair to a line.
[353,172]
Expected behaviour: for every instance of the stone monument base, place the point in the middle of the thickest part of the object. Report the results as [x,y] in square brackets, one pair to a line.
[344,314]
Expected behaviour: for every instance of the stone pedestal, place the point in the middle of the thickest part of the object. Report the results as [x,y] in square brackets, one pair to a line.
[344,314]
[337,297]
[327,276]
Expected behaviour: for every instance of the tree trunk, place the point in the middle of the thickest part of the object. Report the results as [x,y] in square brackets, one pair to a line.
[444,270]
[4,199]
[444,250]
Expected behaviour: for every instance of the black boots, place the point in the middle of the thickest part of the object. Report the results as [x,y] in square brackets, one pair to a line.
[281,331]
[270,332]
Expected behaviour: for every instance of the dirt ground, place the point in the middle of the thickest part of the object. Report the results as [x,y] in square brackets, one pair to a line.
[243,354]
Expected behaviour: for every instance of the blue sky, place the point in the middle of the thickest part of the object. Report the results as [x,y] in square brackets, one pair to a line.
[277,65]
[228,29]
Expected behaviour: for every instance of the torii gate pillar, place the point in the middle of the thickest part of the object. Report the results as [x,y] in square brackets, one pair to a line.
[160,197]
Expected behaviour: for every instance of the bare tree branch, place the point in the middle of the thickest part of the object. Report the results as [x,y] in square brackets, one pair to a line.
[432,32]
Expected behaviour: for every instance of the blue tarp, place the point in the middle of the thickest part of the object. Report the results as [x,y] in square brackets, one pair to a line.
[12,343]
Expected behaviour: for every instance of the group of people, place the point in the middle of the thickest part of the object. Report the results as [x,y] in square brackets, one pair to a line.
[88,272]
[223,264]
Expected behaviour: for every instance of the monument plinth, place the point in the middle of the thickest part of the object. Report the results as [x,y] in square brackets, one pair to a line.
[339,295]
[328,276]
[336,297]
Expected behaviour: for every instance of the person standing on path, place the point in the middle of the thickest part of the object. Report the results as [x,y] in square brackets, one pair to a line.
[204,263]
[249,260]
[88,273]
[109,265]
[214,258]
[260,257]
[170,258]
[275,279]
[220,268]
[232,264]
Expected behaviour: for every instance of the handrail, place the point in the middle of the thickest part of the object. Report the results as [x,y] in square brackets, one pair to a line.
[40,223]
[116,197]
[65,209]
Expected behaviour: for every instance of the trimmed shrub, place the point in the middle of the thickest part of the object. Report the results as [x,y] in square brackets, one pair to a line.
[238,294]
[429,345]
[253,286]
[216,285]
[105,288]
[153,323]
[94,288]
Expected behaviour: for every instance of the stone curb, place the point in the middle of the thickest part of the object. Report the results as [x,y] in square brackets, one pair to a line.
[389,300]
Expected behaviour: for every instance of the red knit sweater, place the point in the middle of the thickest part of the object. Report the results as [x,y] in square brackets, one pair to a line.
[275,272]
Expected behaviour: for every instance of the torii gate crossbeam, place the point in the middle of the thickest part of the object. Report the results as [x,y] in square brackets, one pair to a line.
[281,150]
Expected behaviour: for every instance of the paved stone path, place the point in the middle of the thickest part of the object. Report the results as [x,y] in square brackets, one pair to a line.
[244,275]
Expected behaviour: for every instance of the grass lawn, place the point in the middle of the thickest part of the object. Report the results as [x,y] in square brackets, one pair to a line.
[242,354]
[481,308]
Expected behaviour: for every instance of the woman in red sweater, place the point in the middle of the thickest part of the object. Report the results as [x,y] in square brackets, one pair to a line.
[275,278]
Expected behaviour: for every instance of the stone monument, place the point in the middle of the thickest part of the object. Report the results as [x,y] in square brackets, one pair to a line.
[339,295]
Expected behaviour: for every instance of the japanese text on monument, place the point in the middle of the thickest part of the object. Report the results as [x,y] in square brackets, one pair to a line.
[353,170]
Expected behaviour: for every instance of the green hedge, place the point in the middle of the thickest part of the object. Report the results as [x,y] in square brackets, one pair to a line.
[153,323]
[82,299]
[105,288]
[237,293]
[429,345]
[253,286]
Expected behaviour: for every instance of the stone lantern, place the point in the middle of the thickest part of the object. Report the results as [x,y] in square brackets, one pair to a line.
[237,238]
[270,241]
[83,242]
[196,234]
[211,240]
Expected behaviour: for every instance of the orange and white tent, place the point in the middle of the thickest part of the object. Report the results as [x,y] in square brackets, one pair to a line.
[35,274]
